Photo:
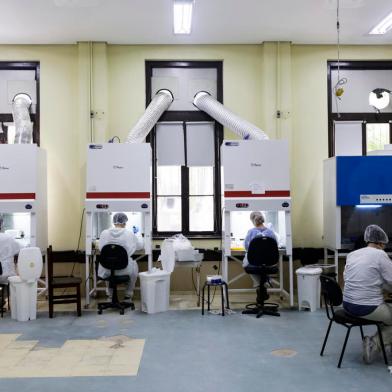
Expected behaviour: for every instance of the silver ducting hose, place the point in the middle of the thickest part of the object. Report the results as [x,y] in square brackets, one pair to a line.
[23,125]
[157,106]
[218,112]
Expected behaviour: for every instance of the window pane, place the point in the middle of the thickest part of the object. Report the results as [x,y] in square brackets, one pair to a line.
[201,213]
[348,137]
[169,180]
[170,144]
[200,143]
[201,180]
[377,135]
[169,214]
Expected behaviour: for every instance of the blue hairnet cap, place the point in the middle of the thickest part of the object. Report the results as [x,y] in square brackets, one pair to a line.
[120,218]
[376,235]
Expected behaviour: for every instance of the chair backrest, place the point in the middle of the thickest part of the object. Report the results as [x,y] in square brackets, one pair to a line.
[49,255]
[263,251]
[66,256]
[113,257]
[331,292]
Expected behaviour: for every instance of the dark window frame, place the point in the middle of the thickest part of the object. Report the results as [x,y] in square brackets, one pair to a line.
[364,117]
[184,117]
[35,117]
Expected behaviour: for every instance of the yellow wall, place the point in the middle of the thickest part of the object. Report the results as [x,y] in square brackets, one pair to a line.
[59,133]
[250,89]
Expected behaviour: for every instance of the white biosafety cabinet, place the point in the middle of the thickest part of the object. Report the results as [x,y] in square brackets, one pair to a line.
[23,196]
[256,177]
[118,180]
[23,193]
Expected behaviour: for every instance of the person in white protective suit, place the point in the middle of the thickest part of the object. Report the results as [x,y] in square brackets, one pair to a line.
[119,235]
[9,248]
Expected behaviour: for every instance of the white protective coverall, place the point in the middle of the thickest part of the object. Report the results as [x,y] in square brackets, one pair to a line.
[8,249]
[131,243]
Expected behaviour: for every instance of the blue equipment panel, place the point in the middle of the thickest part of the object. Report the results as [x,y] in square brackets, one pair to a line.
[362,175]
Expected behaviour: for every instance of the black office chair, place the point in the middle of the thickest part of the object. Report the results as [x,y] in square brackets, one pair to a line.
[263,257]
[333,296]
[114,257]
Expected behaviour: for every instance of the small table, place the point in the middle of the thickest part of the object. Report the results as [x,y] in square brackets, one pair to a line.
[221,285]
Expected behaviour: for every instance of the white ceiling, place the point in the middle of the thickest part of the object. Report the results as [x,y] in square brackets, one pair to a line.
[215,21]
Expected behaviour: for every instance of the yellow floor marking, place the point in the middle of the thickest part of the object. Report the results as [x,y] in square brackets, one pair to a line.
[113,356]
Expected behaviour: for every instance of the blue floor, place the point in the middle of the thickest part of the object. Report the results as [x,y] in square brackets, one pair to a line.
[187,352]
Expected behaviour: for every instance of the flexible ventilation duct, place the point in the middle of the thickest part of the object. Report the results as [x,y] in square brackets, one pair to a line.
[157,106]
[218,112]
[23,126]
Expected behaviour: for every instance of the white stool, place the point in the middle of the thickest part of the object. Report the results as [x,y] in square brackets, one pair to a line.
[309,287]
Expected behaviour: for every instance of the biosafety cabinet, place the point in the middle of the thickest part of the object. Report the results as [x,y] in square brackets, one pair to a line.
[357,193]
[23,193]
[256,177]
[118,180]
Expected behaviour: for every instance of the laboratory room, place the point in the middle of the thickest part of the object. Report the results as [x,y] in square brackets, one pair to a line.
[195,195]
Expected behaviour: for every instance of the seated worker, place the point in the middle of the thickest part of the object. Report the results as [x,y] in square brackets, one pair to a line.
[258,219]
[9,248]
[119,235]
[367,272]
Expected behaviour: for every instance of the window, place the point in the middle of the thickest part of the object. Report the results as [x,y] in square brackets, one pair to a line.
[18,77]
[186,142]
[377,136]
[186,174]
[354,126]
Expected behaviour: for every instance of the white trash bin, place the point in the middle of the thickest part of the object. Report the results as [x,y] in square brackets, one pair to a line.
[155,291]
[23,297]
[23,288]
[309,287]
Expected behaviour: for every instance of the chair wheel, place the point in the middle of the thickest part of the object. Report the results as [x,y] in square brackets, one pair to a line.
[99,311]
[132,306]
[122,311]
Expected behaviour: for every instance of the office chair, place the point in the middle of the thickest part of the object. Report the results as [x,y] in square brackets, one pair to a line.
[114,257]
[263,257]
[333,296]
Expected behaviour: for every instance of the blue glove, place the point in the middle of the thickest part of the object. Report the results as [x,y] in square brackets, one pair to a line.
[135,229]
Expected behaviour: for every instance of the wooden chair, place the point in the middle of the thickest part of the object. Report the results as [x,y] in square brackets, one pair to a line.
[63,282]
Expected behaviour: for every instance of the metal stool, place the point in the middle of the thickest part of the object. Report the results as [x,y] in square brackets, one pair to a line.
[222,285]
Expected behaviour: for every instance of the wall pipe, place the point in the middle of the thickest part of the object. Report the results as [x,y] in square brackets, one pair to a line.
[220,113]
[150,117]
[21,115]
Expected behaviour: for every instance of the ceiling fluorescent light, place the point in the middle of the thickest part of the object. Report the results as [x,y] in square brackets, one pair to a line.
[384,26]
[182,16]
